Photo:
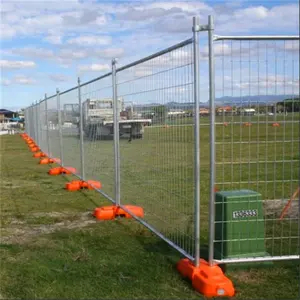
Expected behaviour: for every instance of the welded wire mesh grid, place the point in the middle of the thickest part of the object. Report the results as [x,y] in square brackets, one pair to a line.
[43,128]
[53,127]
[257,145]
[157,154]
[97,108]
[30,121]
[69,109]
[256,141]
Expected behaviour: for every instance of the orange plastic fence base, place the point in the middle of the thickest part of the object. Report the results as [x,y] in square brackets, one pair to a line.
[77,185]
[39,154]
[276,125]
[35,149]
[45,161]
[112,212]
[62,170]
[209,281]
[32,146]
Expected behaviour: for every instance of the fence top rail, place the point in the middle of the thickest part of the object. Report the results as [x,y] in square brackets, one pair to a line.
[48,97]
[174,47]
[95,79]
[154,55]
[255,37]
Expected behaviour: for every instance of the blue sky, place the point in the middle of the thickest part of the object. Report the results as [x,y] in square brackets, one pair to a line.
[46,44]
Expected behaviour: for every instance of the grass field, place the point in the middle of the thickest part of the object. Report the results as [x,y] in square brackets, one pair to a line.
[157,172]
[51,247]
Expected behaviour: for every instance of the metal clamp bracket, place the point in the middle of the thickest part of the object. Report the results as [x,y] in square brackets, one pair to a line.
[198,28]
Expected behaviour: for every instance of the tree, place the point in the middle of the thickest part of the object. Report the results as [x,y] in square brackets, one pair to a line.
[160,113]
[289,105]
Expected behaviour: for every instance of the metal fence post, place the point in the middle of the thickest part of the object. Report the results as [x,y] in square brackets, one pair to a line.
[116,134]
[47,127]
[81,132]
[212,139]
[197,138]
[60,128]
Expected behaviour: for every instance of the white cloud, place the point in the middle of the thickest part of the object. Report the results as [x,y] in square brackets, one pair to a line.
[94,68]
[5,82]
[66,55]
[258,12]
[21,79]
[278,19]
[141,14]
[33,52]
[7,32]
[89,40]
[18,79]
[108,53]
[58,77]
[10,64]
[54,39]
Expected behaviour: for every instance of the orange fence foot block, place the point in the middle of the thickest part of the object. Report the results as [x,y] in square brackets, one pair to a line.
[23,135]
[112,212]
[39,154]
[35,149]
[209,281]
[45,161]
[276,125]
[77,185]
[62,170]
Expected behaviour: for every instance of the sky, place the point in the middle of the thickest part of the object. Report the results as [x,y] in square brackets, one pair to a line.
[47,45]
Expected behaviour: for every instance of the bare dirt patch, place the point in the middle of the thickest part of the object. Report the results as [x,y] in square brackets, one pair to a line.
[249,277]
[21,232]
[273,208]
[17,184]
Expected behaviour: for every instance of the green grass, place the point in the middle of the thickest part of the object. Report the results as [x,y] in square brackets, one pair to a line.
[52,248]
[157,172]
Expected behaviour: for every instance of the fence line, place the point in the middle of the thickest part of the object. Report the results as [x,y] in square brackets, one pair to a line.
[219,181]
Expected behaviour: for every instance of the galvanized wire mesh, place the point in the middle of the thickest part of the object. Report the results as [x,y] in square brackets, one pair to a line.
[257,138]
[97,108]
[53,127]
[69,108]
[43,127]
[156,151]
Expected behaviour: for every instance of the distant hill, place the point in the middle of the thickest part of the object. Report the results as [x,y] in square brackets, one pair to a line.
[236,101]
[227,100]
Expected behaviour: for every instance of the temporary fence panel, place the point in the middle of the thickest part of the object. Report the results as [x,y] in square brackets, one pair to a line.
[139,131]
[97,120]
[43,126]
[156,147]
[30,121]
[256,148]
[70,113]
[53,127]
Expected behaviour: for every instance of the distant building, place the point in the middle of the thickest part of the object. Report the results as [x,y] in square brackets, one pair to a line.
[5,115]
[247,111]
[204,112]
[224,110]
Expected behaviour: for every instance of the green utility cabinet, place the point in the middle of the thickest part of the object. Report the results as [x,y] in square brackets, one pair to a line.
[239,225]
